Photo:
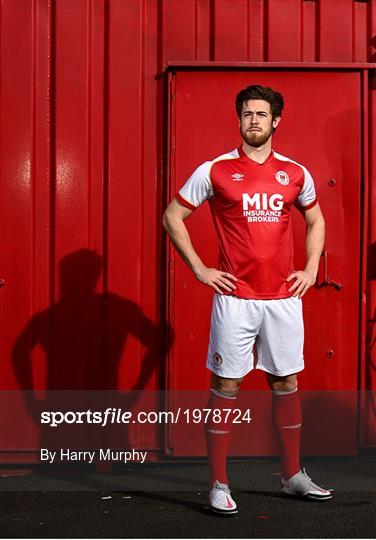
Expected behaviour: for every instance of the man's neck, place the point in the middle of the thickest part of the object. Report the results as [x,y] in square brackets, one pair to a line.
[259,154]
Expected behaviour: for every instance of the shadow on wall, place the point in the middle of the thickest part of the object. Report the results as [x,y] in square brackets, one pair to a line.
[82,336]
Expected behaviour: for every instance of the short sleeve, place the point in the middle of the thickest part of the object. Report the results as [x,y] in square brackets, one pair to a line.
[307,196]
[197,188]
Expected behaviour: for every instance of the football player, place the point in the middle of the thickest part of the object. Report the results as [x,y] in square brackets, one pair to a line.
[258,294]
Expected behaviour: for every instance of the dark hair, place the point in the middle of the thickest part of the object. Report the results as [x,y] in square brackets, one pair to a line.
[260,92]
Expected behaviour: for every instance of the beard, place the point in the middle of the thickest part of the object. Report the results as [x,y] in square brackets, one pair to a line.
[256,138]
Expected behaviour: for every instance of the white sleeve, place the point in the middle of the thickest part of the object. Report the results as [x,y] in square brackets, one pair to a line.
[307,195]
[197,188]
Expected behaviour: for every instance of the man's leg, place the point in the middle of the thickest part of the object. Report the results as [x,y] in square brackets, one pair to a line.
[218,431]
[280,351]
[234,326]
[287,420]
[223,394]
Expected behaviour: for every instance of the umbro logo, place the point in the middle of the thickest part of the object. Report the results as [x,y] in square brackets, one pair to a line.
[237,177]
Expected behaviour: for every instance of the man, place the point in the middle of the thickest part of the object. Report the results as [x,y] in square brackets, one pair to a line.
[251,192]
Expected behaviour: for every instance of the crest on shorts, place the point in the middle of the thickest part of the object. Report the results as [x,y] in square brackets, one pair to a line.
[217,359]
[282,177]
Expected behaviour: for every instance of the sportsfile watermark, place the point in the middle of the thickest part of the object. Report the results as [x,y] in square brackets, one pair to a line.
[84,433]
[119,416]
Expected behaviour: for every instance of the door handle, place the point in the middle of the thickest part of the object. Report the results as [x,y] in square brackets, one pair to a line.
[327,280]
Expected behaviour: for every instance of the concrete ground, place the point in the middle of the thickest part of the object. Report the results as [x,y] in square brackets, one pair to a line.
[169,500]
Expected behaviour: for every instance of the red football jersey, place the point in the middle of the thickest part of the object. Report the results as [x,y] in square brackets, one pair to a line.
[251,207]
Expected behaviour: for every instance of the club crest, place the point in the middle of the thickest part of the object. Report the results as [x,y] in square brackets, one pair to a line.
[282,177]
[217,359]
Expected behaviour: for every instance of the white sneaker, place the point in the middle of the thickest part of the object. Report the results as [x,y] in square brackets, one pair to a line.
[301,485]
[220,499]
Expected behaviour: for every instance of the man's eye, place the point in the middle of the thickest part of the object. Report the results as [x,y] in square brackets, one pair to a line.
[259,115]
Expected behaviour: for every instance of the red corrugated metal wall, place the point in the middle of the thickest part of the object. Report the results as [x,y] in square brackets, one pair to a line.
[82,134]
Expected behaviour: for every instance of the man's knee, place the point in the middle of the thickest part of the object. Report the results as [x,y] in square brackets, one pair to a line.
[229,387]
[289,383]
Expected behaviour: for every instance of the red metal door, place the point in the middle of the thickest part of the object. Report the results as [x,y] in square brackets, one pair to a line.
[321,128]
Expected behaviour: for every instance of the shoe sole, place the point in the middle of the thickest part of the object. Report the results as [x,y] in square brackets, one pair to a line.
[318,497]
[308,496]
[223,512]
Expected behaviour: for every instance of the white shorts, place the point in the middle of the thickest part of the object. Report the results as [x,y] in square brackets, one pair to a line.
[275,325]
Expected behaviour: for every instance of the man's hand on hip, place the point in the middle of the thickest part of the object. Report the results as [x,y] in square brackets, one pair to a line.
[220,281]
[304,279]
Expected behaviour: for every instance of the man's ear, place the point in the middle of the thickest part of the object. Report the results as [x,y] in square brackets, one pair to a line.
[276,121]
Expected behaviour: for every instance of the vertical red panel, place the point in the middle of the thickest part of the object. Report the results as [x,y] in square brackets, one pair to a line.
[308,38]
[202,37]
[125,168]
[230,30]
[359,37]
[284,31]
[125,147]
[24,198]
[369,418]
[152,181]
[134,210]
[371,57]
[370,372]
[70,310]
[17,174]
[256,11]
[71,114]
[95,124]
[42,34]
[179,37]
[335,30]
[148,368]
[133,227]
[96,378]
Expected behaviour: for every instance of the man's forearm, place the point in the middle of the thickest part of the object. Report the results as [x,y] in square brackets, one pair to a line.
[173,222]
[315,239]
[179,236]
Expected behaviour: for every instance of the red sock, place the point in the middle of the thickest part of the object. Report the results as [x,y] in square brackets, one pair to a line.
[288,420]
[218,434]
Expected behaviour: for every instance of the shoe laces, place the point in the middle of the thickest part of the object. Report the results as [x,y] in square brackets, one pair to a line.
[306,475]
[310,479]
[224,487]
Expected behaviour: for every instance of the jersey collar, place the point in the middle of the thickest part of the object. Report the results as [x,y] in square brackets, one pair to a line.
[242,154]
